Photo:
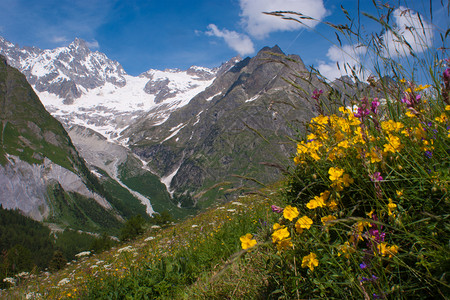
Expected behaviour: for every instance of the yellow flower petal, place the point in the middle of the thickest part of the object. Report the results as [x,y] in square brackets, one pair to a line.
[290,212]
[310,261]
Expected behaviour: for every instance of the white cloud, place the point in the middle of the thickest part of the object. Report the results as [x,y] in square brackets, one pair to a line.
[239,42]
[59,39]
[93,45]
[409,27]
[346,57]
[260,25]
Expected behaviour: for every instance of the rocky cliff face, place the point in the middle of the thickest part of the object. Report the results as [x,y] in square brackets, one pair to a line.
[24,186]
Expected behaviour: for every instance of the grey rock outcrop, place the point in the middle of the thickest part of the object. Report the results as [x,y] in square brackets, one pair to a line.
[24,186]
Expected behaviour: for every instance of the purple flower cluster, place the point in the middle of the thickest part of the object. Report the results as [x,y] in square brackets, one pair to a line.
[366,109]
[277,209]
[316,94]
[374,106]
[376,177]
[363,109]
[411,100]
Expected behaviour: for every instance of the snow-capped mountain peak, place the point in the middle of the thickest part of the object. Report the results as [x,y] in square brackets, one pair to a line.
[81,87]
[65,71]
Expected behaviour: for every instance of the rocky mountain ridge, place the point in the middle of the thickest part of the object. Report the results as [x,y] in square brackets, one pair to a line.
[225,129]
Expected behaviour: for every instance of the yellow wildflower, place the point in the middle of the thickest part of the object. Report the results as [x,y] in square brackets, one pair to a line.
[392,250]
[337,185]
[279,234]
[344,144]
[346,249]
[384,249]
[391,207]
[277,226]
[290,212]
[369,214]
[419,132]
[284,244]
[375,156]
[324,195]
[321,120]
[247,241]
[318,201]
[427,145]
[303,223]
[399,193]
[342,109]
[421,87]
[339,136]
[393,144]
[315,156]
[391,126]
[335,173]
[310,261]
[447,107]
[332,204]
[359,228]
[311,136]
[354,121]
[410,114]
[347,180]
[325,220]
[442,118]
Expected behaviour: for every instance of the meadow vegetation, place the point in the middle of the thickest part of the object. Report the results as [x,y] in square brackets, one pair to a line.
[367,207]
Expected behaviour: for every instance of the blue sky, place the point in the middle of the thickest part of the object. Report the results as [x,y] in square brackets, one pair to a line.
[177,34]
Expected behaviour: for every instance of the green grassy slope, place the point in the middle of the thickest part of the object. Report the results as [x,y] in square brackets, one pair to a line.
[164,263]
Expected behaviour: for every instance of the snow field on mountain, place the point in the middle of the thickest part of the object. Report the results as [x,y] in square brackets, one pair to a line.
[110,109]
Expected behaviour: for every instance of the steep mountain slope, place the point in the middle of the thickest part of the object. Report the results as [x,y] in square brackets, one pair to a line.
[239,121]
[123,174]
[41,172]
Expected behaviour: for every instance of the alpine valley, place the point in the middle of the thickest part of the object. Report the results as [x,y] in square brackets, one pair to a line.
[86,146]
